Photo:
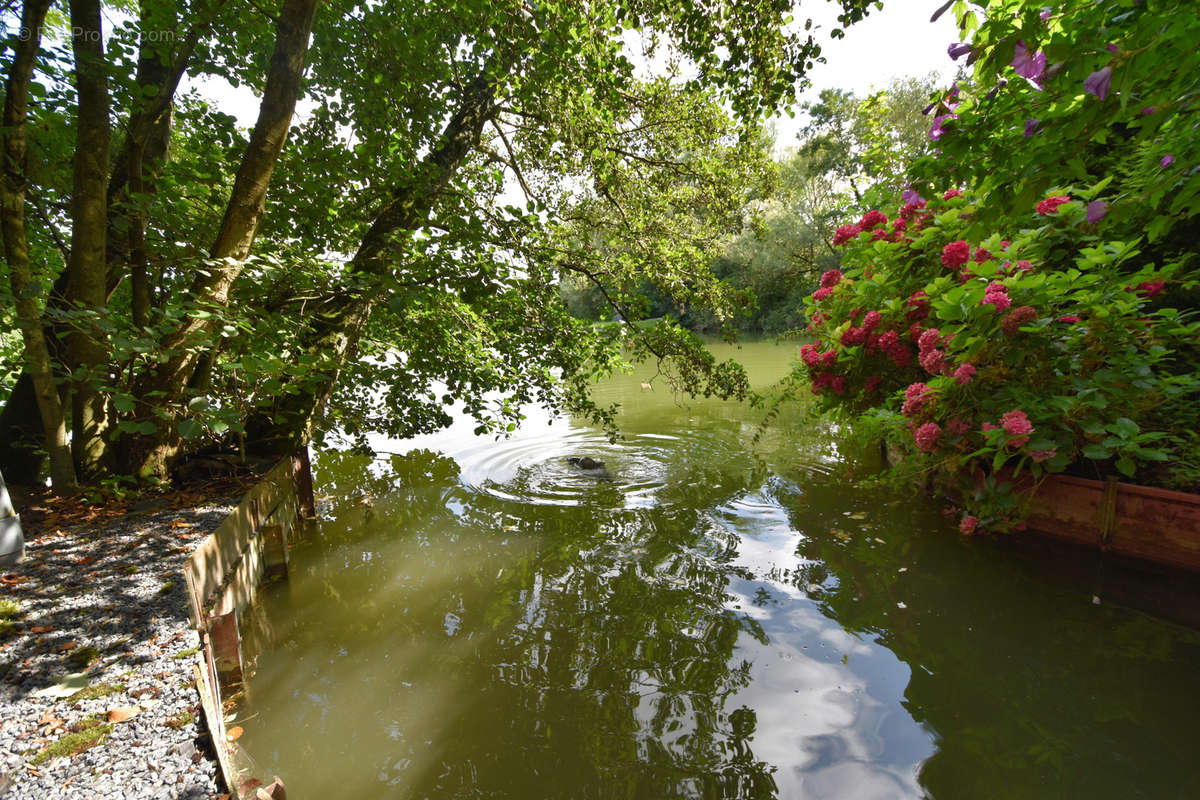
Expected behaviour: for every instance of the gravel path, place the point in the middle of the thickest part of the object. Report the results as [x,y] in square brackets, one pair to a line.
[103,606]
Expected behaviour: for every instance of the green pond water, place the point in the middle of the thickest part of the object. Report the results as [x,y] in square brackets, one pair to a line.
[716,619]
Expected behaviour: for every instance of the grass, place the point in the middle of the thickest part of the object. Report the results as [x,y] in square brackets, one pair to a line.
[167,587]
[88,732]
[82,656]
[10,610]
[182,654]
[97,690]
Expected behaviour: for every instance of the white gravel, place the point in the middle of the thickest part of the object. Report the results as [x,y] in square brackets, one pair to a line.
[116,588]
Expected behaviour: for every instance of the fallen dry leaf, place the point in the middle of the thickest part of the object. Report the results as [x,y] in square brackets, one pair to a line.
[65,647]
[233,734]
[123,714]
[41,629]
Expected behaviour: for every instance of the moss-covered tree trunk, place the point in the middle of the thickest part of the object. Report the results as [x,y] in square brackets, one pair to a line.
[38,363]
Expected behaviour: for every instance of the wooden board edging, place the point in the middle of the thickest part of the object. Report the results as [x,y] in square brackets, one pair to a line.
[222,575]
[1143,522]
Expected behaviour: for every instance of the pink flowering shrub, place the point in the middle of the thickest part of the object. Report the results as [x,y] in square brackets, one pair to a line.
[993,356]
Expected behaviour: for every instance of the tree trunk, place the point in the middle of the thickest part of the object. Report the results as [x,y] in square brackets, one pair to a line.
[144,146]
[243,214]
[87,270]
[38,363]
[335,332]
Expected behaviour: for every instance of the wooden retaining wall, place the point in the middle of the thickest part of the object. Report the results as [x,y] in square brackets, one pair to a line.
[1157,525]
[222,576]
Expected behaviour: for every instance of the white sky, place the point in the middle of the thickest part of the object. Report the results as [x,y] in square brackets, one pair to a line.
[897,42]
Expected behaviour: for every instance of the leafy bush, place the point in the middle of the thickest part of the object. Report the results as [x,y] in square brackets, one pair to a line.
[1023,351]
[1045,319]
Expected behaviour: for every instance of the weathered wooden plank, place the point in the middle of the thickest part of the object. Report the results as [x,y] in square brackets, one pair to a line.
[243,580]
[226,644]
[211,703]
[275,549]
[216,556]
[1156,525]
[304,485]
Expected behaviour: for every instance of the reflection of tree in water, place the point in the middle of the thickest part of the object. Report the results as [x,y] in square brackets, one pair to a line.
[600,657]
[1026,684]
[614,642]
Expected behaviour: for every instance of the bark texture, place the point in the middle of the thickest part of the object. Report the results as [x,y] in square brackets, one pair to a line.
[87,291]
[243,214]
[40,386]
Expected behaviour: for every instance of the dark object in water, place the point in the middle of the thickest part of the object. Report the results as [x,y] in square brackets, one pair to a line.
[583,462]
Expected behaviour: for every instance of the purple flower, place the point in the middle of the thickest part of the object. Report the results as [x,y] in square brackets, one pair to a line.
[1045,13]
[909,195]
[1112,48]
[1148,110]
[937,130]
[958,50]
[1029,65]
[1167,161]
[1096,211]
[1031,127]
[1099,82]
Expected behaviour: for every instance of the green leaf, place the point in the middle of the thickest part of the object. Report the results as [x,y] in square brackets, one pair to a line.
[1124,427]
[190,429]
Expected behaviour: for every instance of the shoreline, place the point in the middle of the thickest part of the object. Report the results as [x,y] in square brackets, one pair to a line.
[98,654]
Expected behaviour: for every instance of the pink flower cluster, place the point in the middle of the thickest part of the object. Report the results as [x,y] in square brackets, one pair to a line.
[916,397]
[822,364]
[814,359]
[1148,288]
[854,336]
[889,343]
[845,233]
[827,380]
[918,303]
[1050,204]
[955,254]
[958,427]
[831,278]
[996,295]
[968,524]
[1016,423]
[931,356]
[964,374]
[927,436]
[872,219]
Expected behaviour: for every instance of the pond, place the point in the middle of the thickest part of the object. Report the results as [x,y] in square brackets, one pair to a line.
[714,618]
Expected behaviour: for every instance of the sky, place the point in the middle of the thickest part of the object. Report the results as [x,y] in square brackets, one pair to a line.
[897,42]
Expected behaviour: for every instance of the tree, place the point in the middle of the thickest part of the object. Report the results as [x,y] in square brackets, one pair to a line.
[384,262]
